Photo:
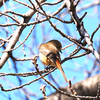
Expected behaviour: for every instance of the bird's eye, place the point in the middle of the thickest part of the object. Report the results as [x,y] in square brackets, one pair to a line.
[59,46]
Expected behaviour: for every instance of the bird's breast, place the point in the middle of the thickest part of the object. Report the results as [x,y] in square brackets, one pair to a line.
[45,60]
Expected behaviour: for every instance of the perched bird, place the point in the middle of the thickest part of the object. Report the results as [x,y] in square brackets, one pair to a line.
[49,55]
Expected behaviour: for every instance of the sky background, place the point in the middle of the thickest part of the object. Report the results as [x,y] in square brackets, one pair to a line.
[75,69]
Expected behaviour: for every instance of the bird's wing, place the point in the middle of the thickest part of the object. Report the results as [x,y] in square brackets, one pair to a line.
[50,52]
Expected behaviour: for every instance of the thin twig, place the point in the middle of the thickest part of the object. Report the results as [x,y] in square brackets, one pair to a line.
[32,4]
[23,48]
[5,40]
[54,3]
[9,16]
[23,4]
[75,51]
[18,87]
[94,33]
[42,88]
[77,3]
[67,58]
[21,42]
[83,16]
[67,46]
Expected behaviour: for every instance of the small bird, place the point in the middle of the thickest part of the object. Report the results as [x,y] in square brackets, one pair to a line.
[49,55]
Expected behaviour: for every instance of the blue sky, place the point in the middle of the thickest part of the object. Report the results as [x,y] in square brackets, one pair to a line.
[74,69]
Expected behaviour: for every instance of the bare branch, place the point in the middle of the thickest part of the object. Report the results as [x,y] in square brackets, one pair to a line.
[16,35]
[94,33]
[45,3]
[21,42]
[83,33]
[42,88]
[67,46]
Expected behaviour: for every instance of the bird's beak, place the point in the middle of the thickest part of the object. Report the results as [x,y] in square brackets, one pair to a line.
[60,51]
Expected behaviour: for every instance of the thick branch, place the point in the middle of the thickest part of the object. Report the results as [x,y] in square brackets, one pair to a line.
[16,35]
[80,27]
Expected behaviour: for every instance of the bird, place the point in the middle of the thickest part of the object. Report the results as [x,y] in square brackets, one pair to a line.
[50,56]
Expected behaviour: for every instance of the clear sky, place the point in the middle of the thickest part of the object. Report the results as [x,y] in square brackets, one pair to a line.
[74,69]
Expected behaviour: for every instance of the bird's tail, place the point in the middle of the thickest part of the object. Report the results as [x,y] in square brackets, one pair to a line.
[58,65]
